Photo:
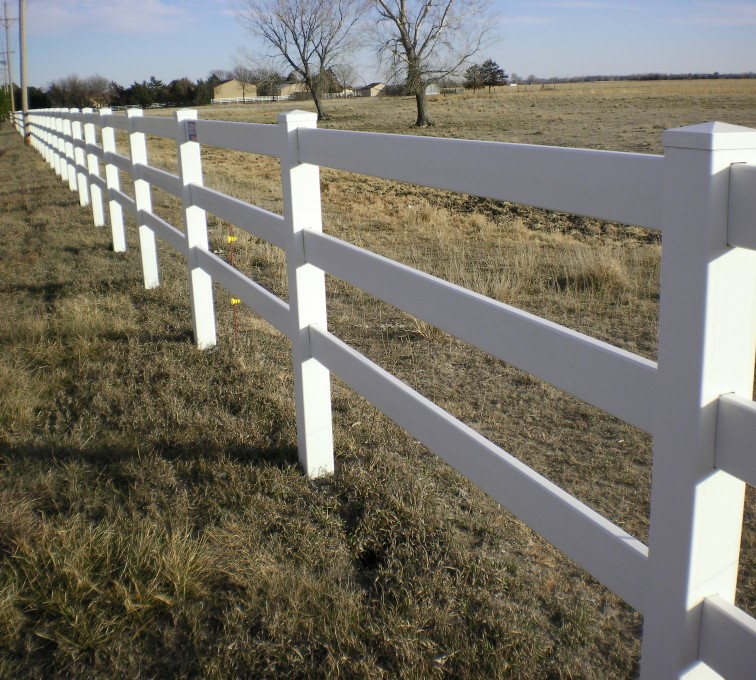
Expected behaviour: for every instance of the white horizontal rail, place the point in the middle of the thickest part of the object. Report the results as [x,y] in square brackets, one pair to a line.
[126,202]
[741,220]
[728,639]
[121,162]
[163,230]
[256,221]
[619,187]
[155,125]
[99,182]
[271,308]
[159,178]
[91,117]
[94,150]
[736,438]
[610,554]
[612,379]
[117,122]
[249,137]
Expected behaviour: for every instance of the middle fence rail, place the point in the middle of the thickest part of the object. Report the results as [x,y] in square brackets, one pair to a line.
[703,186]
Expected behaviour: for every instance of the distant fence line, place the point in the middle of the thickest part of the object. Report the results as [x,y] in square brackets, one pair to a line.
[251,100]
[696,401]
[282,98]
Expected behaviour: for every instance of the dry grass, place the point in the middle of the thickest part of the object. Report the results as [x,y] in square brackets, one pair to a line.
[153,522]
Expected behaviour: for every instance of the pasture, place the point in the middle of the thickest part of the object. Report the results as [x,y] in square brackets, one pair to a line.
[154,522]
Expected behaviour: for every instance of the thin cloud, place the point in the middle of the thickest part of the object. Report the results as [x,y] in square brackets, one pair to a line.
[126,17]
[586,5]
[575,4]
[719,14]
[527,21]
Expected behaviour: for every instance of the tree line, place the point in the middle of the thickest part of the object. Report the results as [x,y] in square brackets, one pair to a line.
[74,91]
[488,74]
[535,80]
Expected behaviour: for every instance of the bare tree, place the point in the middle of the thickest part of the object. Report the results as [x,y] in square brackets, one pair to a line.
[268,81]
[345,75]
[221,74]
[308,35]
[245,76]
[429,40]
[72,91]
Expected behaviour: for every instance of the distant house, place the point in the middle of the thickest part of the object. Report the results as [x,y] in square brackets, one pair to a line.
[432,89]
[291,89]
[373,90]
[233,89]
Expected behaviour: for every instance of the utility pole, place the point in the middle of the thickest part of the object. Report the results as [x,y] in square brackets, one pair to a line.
[7,21]
[24,94]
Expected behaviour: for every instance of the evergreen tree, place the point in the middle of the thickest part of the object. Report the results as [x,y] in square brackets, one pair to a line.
[474,78]
[158,90]
[493,74]
[182,92]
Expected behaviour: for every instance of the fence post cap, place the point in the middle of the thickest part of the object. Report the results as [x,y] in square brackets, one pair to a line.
[297,117]
[130,113]
[185,114]
[711,136]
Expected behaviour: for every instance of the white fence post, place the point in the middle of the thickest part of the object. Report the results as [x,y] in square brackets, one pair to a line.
[44,121]
[69,148]
[307,300]
[93,167]
[61,165]
[143,200]
[195,224]
[48,138]
[111,178]
[707,333]
[82,180]
[34,126]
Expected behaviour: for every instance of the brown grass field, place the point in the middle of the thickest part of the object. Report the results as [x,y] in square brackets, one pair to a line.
[154,523]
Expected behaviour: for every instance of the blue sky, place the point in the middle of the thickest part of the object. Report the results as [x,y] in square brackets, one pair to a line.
[131,40]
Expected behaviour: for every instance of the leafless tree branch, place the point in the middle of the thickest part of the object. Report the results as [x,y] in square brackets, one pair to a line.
[428,40]
[310,36]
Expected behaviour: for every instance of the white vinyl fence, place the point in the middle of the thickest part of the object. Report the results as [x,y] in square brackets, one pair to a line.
[251,100]
[696,401]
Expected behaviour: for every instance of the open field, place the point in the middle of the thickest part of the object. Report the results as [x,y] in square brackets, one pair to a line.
[154,522]
[618,116]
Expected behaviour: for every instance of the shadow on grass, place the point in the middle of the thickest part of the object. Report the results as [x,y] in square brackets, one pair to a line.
[281,457]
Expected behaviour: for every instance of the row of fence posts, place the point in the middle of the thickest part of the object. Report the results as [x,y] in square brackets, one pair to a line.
[70,150]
